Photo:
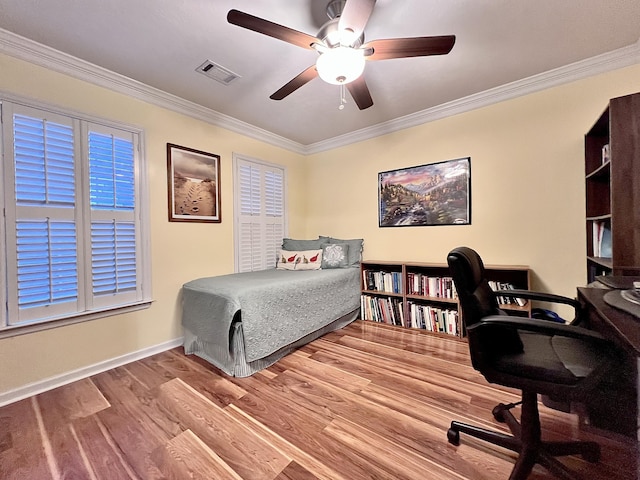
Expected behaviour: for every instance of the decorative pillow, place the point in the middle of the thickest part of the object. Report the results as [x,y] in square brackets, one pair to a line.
[335,255]
[294,245]
[299,260]
[355,249]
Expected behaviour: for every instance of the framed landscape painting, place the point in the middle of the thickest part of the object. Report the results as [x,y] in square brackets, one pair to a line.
[193,180]
[433,194]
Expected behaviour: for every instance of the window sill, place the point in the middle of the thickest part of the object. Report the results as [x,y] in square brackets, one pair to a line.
[15,330]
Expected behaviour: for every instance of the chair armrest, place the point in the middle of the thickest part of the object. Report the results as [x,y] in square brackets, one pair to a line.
[545,297]
[537,326]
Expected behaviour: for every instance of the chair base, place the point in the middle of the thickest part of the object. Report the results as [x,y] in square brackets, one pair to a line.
[526,440]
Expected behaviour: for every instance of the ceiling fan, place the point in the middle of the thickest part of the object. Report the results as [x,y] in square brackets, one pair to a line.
[341,48]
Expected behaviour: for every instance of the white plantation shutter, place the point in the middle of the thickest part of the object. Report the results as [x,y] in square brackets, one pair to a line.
[72,231]
[260,218]
[274,233]
[44,168]
[42,239]
[113,228]
[47,266]
[250,199]
[111,171]
[273,193]
[113,257]
[249,246]
[274,215]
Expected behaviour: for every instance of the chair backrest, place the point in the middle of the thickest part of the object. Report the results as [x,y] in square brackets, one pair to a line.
[478,301]
[476,297]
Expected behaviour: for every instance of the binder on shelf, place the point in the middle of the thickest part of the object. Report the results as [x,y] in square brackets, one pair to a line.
[606,153]
[601,239]
[504,299]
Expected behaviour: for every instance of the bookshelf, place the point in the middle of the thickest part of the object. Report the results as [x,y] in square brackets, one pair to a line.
[612,190]
[422,296]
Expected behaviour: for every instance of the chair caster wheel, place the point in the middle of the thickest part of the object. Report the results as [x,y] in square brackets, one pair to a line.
[498,412]
[453,436]
[592,455]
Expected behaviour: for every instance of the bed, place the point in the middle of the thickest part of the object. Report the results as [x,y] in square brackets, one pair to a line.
[244,322]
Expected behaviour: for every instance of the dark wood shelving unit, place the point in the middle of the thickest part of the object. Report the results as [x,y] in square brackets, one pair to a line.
[612,189]
[396,308]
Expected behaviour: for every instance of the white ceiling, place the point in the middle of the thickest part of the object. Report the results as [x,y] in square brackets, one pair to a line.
[161,42]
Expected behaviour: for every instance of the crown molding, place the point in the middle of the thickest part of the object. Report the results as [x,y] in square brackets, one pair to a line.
[38,54]
[603,63]
[41,55]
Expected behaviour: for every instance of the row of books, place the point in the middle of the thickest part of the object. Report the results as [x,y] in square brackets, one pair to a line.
[427,286]
[390,310]
[433,319]
[387,310]
[504,300]
[380,281]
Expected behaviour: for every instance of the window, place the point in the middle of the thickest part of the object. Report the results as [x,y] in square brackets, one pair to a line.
[260,217]
[72,225]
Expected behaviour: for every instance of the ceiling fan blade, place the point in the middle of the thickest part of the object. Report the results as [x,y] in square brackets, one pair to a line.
[355,16]
[409,47]
[298,81]
[360,93]
[271,29]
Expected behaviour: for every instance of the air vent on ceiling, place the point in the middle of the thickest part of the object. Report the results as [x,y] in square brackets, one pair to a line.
[217,72]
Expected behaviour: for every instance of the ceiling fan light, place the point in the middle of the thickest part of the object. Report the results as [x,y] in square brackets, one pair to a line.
[348,37]
[332,38]
[340,65]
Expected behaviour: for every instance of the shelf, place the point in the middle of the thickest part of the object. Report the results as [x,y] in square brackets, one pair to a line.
[382,293]
[434,314]
[598,218]
[612,189]
[432,299]
[602,261]
[516,308]
[602,173]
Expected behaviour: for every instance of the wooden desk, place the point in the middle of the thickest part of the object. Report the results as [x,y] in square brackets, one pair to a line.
[615,407]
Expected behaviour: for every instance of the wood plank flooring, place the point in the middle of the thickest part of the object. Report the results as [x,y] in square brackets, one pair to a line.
[366,402]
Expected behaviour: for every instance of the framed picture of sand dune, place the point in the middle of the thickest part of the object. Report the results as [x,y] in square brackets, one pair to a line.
[193,179]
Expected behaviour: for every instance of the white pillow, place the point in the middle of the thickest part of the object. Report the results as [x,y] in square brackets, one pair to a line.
[299,260]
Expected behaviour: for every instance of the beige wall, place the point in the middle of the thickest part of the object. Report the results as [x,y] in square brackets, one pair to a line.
[527,195]
[527,176]
[179,251]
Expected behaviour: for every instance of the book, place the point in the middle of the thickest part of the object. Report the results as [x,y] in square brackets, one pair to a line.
[605,243]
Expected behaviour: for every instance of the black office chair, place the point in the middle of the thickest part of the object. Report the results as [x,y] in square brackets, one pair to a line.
[564,362]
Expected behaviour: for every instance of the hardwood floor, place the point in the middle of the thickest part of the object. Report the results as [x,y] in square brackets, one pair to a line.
[366,402]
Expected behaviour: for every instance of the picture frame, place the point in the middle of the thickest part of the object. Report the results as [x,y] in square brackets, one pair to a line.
[432,194]
[193,182]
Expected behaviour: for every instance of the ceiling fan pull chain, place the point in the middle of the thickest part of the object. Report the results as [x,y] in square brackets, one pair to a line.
[343,98]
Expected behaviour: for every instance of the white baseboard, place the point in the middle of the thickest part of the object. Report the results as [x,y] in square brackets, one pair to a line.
[68,377]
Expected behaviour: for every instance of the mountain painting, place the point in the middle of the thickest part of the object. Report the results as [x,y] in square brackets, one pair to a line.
[434,194]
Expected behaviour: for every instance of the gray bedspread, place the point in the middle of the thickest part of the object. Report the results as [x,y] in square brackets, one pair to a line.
[276,307]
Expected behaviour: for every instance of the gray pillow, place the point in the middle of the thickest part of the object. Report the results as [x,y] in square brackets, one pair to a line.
[295,245]
[335,255]
[355,248]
